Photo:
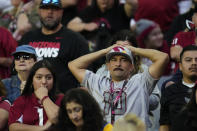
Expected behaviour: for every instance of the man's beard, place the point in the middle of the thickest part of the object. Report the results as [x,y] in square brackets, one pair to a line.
[52,26]
[193,78]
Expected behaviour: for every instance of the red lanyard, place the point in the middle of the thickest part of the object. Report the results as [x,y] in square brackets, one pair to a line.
[114,102]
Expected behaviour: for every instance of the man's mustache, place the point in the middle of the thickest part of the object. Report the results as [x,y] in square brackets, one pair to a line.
[118,69]
[193,68]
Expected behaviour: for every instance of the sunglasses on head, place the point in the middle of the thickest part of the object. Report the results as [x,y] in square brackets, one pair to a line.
[50,1]
[24,56]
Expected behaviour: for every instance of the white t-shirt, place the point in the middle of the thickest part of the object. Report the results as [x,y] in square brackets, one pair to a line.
[134,98]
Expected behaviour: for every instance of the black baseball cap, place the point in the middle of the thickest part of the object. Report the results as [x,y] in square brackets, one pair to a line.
[50,3]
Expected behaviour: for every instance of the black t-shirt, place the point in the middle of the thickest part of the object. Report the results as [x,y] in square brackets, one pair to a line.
[184,122]
[114,19]
[59,48]
[69,13]
[173,99]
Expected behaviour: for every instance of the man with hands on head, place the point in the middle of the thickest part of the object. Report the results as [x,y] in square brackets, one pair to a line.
[123,92]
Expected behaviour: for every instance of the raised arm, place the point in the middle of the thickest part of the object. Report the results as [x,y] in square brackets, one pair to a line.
[159,59]
[175,52]
[77,25]
[50,107]
[79,65]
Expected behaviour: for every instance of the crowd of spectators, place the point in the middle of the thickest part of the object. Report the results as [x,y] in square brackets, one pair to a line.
[106,65]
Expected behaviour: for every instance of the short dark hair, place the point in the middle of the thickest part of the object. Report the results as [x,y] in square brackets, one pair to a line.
[92,114]
[124,35]
[29,89]
[187,48]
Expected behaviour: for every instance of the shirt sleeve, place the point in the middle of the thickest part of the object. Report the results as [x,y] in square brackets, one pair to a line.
[150,82]
[89,79]
[177,40]
[94,82]
[16,111]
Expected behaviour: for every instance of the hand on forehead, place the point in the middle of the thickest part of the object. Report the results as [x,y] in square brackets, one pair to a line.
[122,43]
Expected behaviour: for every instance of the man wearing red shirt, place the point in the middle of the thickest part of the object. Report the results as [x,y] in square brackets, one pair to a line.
[7,46]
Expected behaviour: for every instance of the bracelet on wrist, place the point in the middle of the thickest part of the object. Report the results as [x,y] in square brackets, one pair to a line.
[45,97]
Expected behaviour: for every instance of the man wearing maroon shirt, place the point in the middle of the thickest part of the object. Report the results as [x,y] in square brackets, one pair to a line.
[182,39]
[7,46]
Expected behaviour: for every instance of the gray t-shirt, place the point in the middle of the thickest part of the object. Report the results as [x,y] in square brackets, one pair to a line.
[134,98]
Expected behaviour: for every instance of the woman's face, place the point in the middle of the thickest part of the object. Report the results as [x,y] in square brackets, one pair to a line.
[154,39]
[75,113]
[43,77]
[23,62]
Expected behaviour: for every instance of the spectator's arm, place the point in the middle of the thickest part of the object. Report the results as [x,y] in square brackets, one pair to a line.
[3,118]
[50,107]
[79,65]
[5,61]
[23,26]
[51,110]
[77,25]
[164,128]
[159,59]
[175,52]
[25,127]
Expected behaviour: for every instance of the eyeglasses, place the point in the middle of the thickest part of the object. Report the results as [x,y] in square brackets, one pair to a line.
[25,57]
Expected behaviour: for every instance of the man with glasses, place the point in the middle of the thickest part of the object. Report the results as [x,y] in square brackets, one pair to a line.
[56,43]
[24,58]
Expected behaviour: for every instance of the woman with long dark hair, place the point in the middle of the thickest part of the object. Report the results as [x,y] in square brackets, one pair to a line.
[79,111]
[37,107]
